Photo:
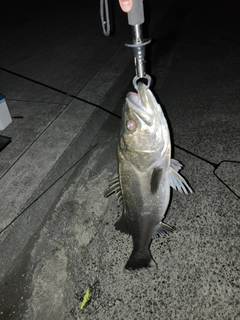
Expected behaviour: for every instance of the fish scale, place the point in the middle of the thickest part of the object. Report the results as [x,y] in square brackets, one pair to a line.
[146,173]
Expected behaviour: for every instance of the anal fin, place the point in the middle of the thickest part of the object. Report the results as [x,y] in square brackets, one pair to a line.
[162,229]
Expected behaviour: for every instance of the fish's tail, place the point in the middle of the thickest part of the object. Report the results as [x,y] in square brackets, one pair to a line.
[139,261]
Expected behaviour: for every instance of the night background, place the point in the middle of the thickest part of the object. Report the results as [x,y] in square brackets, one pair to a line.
[64,83]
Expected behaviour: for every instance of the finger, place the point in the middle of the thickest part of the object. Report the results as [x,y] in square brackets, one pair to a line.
[126,5]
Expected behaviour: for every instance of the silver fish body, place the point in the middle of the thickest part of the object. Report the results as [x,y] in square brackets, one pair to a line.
[146,173]
[143,210]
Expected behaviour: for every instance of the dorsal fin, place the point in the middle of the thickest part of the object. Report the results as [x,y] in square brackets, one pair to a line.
[113,186]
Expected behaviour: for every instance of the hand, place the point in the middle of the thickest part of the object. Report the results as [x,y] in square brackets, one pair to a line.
[126,5]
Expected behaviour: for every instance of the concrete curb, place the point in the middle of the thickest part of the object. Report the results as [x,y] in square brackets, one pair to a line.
[63,144]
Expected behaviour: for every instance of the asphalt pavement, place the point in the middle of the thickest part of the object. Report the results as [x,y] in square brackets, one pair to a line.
[57,229]
[57,70]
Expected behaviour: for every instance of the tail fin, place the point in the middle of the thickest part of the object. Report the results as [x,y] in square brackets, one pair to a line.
[137,261]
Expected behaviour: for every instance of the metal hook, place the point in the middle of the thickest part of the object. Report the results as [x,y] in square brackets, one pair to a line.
[136,78]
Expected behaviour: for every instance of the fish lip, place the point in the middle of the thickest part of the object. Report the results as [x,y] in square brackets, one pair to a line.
[138,103]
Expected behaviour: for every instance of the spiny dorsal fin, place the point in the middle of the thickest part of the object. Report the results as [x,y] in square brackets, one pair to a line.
[113,186]
[176,181]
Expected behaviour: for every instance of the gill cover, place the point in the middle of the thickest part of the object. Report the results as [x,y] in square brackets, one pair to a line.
[144,131]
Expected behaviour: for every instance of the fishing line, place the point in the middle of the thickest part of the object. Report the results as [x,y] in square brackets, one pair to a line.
[35,200]
[57,90]
[60,91]
[30,145]
[215,165]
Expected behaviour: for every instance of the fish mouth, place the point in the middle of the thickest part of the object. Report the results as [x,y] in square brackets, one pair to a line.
[141,103]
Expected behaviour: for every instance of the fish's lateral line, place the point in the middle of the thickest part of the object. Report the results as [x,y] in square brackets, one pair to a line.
[215,165]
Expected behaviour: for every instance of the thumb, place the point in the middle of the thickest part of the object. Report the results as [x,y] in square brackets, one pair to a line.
[126,5]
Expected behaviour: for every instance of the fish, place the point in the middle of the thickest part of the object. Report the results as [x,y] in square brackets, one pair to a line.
[145,174]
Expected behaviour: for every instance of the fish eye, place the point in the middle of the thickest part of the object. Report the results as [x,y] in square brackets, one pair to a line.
[131,125]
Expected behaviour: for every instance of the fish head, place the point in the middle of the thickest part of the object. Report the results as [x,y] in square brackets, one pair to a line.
[144,134]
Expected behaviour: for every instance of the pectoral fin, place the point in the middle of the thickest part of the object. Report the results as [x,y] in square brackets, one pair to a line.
[176,181]
[156,179]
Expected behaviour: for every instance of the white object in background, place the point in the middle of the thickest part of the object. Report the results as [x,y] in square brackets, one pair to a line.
[5,117]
